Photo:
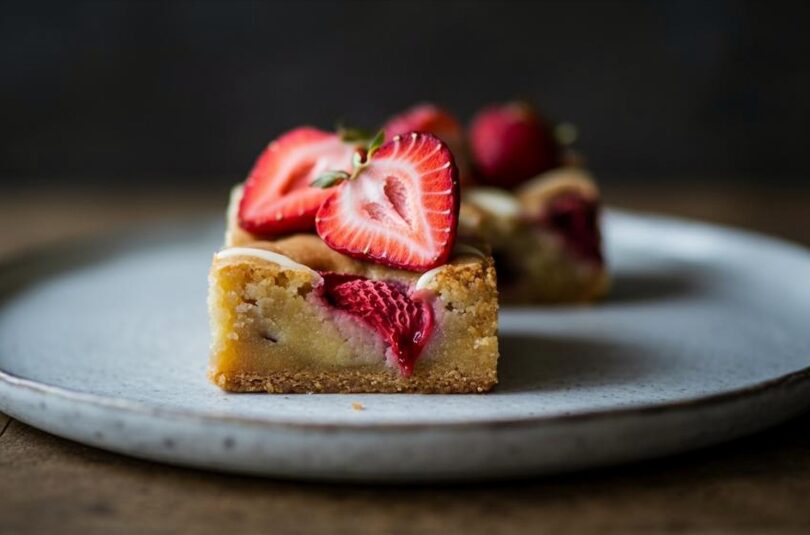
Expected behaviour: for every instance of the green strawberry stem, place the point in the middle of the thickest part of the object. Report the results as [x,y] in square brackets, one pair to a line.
[360,161]
[329,179]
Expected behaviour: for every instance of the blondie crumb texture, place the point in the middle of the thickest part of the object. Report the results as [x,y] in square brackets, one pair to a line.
[272,331]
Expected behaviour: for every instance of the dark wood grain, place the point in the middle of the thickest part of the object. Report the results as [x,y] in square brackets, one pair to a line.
[4,422]
[754,484]
[757,484]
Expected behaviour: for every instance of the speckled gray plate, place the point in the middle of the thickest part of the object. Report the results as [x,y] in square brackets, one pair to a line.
[706,337]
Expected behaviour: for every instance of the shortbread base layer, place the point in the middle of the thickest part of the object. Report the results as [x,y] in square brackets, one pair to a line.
[357,381]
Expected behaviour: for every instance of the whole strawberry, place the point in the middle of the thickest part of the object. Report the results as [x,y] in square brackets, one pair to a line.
[428,118]
[511,143]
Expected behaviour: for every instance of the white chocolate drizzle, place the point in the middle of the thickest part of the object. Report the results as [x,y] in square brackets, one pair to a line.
[269,256]
[427,277]
[460,249]
[497,202]
[463,248]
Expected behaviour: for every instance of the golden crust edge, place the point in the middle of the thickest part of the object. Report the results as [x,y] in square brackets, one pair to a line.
[356,382]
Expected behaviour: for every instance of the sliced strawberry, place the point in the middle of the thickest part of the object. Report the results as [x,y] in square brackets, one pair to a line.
[433,120]
[404,321]
[278,198]
[400,210]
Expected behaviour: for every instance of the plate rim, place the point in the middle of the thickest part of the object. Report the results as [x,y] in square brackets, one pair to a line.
[12,382]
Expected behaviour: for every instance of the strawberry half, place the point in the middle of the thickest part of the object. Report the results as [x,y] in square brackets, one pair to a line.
[433,120]
[404,321]
[401,207]
[278,198]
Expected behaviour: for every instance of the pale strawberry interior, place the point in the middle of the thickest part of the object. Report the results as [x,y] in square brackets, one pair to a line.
[388,202]
[398,197]
[398,210]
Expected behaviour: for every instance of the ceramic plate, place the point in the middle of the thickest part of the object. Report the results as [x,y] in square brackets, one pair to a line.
[705,338]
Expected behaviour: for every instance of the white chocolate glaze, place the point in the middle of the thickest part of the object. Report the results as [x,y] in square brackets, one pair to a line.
[497,202]
[269,256]
[460,249]
[286,262]
[463,248]
[427,277]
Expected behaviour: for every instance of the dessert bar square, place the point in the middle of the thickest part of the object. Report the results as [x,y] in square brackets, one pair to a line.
[290,316]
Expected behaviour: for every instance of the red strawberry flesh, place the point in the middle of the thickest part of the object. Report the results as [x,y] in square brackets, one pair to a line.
[433,120]
[401,210]
[511,143]
[278,198]
[405,322]
[427,118]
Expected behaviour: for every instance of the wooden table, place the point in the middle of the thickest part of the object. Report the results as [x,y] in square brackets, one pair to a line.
[761,483]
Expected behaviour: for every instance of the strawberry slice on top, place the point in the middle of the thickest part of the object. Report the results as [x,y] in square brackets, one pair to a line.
[427,118]
[400,206]
[278,198]
[438,121]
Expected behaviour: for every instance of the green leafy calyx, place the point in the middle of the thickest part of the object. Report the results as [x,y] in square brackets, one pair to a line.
[329,179]
[360,160]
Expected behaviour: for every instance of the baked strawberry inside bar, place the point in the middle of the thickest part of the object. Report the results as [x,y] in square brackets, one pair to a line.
[292,315]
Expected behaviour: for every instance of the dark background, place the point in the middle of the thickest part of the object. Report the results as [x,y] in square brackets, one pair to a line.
[188,93]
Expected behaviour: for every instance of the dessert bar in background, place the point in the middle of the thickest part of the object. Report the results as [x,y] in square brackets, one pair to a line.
[528,196]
